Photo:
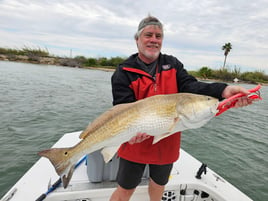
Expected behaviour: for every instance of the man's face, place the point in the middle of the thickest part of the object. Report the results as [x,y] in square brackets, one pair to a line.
[149,43]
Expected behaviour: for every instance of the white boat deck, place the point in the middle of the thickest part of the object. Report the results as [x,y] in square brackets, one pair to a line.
[182,186]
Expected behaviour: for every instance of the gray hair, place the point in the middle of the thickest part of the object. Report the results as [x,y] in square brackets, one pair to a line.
[150,20]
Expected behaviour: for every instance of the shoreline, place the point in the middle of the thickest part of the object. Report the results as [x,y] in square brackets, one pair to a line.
[68,62]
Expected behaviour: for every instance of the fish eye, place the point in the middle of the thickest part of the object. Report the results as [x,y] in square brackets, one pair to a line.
[66,153]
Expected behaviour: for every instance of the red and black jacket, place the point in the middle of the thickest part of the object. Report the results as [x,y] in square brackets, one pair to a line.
[131,83]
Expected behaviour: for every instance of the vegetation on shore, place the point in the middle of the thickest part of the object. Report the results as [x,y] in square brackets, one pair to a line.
[231,75]
[39,56]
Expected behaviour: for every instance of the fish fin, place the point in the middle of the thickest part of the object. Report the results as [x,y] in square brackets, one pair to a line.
[66,180]
[85,133]
[61,160]
[109,114]
[170,132]
[176,119]
[108,153]
[157,138]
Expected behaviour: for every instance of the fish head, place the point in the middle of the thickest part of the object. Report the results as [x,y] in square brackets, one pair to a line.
[195,110]
[63,162]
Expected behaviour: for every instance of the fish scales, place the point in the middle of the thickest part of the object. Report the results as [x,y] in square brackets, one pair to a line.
[159,116]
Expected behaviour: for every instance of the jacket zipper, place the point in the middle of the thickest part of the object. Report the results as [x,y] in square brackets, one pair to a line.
[155,79]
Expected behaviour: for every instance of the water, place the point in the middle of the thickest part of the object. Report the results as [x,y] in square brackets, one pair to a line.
[39,103]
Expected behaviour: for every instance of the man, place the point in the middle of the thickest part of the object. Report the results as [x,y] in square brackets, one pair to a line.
[145,74]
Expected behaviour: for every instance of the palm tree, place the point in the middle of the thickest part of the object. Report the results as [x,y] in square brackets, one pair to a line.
[227,48]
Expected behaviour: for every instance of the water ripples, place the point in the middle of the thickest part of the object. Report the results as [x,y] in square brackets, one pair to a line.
[39,104]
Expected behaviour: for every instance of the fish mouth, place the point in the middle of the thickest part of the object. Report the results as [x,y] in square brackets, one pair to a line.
[214,110]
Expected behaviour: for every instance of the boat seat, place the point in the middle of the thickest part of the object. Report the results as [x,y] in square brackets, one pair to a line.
[98,170]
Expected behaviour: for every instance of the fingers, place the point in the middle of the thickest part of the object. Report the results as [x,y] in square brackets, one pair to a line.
[243,101]
[140,137]
[232,90]
[242,90]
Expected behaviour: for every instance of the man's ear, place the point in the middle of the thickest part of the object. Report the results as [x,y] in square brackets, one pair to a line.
[136,41]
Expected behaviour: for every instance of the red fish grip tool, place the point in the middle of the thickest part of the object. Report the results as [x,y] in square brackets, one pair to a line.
[231,101]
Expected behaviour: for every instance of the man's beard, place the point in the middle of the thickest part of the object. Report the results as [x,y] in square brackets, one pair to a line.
[151,55]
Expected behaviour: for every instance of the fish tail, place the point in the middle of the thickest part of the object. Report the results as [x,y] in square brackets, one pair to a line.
[61,160]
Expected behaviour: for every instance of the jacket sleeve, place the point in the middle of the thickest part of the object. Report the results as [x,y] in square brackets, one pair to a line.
[121,91]
[187,83]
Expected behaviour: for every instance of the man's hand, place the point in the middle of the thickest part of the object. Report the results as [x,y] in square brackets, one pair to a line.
[140,137]
[233,90]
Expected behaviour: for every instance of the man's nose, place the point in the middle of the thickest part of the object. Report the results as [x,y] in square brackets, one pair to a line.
[154,38]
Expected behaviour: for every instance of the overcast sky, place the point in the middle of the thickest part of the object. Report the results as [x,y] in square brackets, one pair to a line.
[195,30]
